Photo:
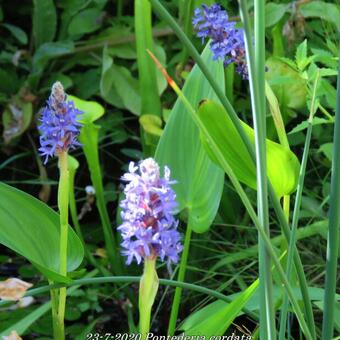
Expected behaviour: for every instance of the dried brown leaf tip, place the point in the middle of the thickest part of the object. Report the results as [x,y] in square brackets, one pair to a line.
[13,336]
[13,289]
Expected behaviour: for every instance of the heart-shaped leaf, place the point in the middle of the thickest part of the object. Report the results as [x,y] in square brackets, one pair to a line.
[31,229]
[199,181]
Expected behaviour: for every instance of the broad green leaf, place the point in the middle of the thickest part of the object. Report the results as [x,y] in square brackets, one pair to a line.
[44,21]
[86,21]
[290,82]
[320,9]
[127,88]
[274,13]
[91,110]
[216,318]
[17,32]
[199,181]
[117,86]
[33,231]
[282,164]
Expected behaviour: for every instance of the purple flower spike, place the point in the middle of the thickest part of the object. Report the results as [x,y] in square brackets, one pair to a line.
[227,40]
[149,228]
[59,127]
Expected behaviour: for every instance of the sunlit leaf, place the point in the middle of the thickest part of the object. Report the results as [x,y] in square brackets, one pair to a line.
[282,164]
[33,231]
[91,110]
[216,318]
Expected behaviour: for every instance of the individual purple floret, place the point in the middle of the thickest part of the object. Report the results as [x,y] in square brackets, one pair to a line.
[227,42]
[149,228]
[59,127]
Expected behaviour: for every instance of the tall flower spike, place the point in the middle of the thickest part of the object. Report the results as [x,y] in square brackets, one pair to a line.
[149,228]
[59,127]
[227,42]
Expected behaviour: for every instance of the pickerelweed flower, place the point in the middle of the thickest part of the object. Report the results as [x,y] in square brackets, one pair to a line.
[149,228]
[59,127]
[227,42]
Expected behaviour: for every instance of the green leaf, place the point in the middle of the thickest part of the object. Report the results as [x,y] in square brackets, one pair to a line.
[285,80]
[118,87]
[17,32]
[86,21]
[216,318]
[50,50]
[282,164]
[320,9]
[127,88]
[274,13]
[91,110]
[151,124]
[33,231]
[301,55]
[44,21]
[199,181]
[316,121]
[327,150]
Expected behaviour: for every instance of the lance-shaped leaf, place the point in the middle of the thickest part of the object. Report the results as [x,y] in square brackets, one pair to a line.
[282,164]
[199,181]
[31,229]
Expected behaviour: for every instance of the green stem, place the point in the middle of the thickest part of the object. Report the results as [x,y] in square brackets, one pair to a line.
[256,69]
[148,288]
[333,229]
[162,13]
[181,277]
[296,212]
[63,201]
[54,307]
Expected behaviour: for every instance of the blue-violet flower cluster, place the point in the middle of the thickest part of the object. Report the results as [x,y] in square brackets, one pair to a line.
[227,40]
[149,228]
[59,127]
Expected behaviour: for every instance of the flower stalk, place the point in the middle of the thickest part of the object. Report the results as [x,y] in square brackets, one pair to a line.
[59,130]
[148,288]
[63,202]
